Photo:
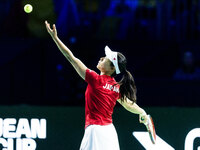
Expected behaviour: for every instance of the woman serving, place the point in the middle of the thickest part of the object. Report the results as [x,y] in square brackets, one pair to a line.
[101,95]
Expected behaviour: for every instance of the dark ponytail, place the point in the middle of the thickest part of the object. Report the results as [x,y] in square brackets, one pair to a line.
[127,83]
[127,87]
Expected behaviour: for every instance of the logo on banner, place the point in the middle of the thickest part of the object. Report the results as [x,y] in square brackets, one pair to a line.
[21,134]
[144,139]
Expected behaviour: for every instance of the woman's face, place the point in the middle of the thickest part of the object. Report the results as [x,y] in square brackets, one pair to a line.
[104,66]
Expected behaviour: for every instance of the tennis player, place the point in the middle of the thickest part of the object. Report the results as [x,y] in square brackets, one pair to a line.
[101,95]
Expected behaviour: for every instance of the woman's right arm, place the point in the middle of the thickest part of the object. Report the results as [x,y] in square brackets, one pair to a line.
[76,63]
[134,108]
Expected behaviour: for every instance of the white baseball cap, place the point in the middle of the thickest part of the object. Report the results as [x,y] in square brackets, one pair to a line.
[112,56]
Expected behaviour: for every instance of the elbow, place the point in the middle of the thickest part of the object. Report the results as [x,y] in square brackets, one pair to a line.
[71,59]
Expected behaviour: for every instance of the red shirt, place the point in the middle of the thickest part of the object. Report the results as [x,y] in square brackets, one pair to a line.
[100,98]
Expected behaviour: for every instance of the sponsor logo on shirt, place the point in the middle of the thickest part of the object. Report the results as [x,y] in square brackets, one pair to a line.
[111,88]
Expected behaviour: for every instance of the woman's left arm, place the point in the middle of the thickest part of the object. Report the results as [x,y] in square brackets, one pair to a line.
[134,108]
[76,63]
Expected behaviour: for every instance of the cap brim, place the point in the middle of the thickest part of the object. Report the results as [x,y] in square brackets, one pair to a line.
[112,56]
[108,52]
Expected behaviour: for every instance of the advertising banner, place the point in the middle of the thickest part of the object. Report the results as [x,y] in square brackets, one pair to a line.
[62,128]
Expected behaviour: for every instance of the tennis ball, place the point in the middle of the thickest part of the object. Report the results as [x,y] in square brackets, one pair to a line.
[28,8]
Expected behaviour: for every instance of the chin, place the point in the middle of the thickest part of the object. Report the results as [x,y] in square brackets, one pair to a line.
[98,68]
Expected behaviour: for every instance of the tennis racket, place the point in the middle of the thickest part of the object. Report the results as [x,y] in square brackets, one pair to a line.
[150,128]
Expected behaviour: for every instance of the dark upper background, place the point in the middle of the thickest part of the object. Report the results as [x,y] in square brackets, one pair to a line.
[154,35]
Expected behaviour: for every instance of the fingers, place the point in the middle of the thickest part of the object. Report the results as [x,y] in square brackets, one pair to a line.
[47,24]
[54,27]
[48,27]
[52,31]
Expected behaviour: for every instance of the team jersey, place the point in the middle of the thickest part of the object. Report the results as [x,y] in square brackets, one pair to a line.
[100,98]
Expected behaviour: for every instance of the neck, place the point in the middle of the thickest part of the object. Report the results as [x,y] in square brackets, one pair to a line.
[104,73]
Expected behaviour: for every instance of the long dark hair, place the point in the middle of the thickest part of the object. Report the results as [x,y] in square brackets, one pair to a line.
[127,83]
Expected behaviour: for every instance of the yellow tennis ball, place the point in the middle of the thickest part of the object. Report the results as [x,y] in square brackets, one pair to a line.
[28,8]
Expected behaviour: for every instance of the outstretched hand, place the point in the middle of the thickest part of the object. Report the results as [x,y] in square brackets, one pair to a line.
[51,31]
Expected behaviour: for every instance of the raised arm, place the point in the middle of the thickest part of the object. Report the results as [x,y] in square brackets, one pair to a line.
[76,63]
[134,108]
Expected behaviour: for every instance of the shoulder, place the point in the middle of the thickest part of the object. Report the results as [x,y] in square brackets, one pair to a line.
[91,72]
[91,76]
